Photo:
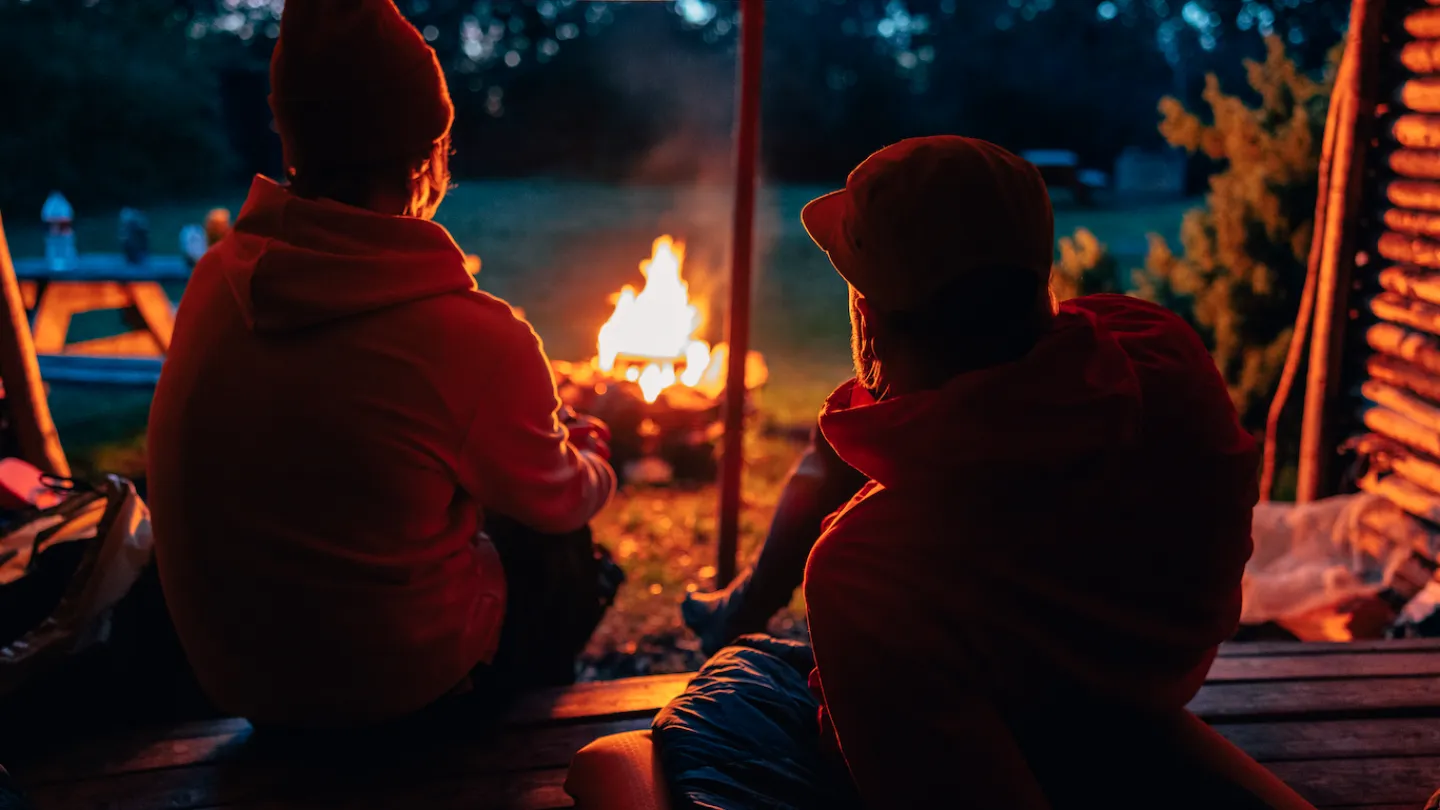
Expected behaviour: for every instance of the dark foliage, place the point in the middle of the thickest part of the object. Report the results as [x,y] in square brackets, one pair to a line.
[126,101]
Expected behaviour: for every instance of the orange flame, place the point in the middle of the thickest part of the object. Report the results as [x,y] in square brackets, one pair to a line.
[650,338]
[653,330]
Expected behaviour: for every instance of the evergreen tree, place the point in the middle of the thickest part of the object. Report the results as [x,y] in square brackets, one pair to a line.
[1244,256]
[1086,267]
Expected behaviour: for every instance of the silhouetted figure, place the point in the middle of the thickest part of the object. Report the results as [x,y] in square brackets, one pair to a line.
[343,418]
[818,485]
[1016,608]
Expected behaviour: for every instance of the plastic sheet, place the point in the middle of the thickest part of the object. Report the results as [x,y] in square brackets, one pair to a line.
[1313,556]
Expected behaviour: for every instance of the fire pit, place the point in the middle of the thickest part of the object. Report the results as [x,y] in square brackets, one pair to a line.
[653,380]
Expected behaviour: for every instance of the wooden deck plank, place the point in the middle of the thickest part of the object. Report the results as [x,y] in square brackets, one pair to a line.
[1316,699]
[1219,702]
[1341,782]
[1336,739]
[531,790]
[634,696]
[520,749]
[1248,648]
[1317,667]
[1347,726]
[191,789]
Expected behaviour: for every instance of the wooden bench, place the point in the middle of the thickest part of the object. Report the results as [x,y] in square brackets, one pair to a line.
[1347,725]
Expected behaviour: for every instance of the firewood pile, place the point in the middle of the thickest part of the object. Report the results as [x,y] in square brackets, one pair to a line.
[671,440]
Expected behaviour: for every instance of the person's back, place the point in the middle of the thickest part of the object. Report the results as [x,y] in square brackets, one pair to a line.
[1059,509]
[339,410]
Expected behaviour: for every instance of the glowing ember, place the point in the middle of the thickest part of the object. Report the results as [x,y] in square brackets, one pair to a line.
[652,332]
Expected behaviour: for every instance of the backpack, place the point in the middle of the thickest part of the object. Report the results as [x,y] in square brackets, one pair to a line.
[63,569]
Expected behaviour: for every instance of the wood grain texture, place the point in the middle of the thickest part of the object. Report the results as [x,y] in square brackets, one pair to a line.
[1256,702]
[1336,739]
[1342,782]
[1324,667]
[612,698]
[1245,648]
[1400,373]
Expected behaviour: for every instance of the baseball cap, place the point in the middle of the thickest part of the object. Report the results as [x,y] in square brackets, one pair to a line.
[924,212]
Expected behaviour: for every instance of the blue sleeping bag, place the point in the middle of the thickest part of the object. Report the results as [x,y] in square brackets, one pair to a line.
[744,734]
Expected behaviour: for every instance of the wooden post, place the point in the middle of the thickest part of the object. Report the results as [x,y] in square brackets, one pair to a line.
[1299,336]
[20,372]
[1338,251]
[737,324]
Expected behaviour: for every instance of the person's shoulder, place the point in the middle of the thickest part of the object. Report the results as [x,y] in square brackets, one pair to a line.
[868,532]
[1127,313]
[479,318]
[1149,333]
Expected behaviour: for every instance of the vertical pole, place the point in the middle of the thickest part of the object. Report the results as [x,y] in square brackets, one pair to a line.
[737,324]
[1338,251]
[20,372]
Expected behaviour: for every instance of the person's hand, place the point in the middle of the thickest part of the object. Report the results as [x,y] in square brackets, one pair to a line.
[588,433]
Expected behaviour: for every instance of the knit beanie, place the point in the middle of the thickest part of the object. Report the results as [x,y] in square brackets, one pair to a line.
[352,81]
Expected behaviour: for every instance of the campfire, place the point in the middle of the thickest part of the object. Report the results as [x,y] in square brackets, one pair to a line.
[653,378]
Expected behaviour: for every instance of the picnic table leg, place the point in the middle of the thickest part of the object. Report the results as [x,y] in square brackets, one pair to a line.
[155,310]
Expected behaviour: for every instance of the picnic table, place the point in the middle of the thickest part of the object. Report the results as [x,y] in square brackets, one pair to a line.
[1347,725]
[101,281]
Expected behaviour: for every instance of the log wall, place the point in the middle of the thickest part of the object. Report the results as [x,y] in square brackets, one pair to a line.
[1393,368]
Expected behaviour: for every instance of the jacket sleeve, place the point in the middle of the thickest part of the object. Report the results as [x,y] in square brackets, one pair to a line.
[911,721]
[517,458]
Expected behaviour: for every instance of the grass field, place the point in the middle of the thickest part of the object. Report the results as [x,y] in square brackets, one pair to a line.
[559,250]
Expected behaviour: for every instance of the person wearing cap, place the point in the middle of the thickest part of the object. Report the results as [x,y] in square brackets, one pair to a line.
[345,425]
[1058,514]
[1016,607]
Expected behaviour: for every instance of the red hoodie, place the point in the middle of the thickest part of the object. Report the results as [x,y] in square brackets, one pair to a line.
[1070,527]
[339,408]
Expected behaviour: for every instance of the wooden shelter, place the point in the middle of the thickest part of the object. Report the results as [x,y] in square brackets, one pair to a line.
[1371,310]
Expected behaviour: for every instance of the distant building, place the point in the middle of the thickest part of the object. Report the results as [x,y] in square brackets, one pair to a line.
[1150,174]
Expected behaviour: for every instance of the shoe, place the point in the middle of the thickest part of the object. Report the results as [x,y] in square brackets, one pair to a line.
[718,617]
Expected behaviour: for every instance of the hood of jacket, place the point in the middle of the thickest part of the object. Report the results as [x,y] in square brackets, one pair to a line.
[1073,395]
[294,263]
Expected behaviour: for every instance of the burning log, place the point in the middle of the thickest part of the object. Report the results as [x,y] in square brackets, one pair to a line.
[654,382]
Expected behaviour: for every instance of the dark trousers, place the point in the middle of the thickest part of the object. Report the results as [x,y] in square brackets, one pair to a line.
[558,588]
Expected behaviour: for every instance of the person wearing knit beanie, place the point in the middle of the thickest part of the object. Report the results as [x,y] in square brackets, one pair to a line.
[353,451]
[359,99]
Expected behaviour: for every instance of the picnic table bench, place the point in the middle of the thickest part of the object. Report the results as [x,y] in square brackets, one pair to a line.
[1347,725]
[101,281]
